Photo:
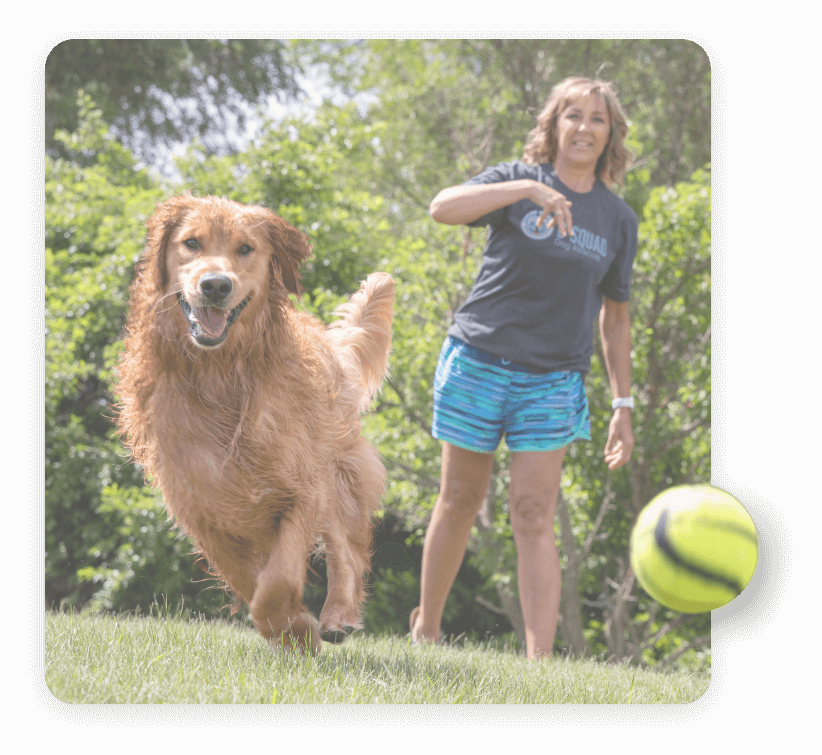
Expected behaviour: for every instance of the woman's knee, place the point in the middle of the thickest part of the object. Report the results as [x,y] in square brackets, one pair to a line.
[460,501]
[532,515]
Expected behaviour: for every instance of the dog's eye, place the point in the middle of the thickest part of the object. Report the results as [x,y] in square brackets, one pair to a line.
[192,243]
[244,249]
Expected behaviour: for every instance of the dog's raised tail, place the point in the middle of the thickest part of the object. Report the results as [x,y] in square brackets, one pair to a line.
[364,331]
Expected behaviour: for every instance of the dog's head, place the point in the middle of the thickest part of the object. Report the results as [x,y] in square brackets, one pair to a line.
[220,258]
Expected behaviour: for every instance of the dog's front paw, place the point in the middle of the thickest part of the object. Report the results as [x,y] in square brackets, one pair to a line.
[336,636]
[335,628]
[302,635]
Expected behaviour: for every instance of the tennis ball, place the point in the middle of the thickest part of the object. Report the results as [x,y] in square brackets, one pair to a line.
[694,548]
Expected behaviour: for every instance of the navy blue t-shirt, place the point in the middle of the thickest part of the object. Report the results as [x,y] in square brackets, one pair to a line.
[537,294]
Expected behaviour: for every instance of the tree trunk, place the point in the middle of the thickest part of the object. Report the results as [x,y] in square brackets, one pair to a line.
[571,624]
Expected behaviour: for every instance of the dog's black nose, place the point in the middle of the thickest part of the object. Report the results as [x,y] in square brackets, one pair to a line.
[217,288]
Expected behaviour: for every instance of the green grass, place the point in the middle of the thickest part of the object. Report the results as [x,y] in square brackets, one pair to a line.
[107,659]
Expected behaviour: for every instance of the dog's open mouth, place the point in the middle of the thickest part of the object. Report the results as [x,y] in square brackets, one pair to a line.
[210,325]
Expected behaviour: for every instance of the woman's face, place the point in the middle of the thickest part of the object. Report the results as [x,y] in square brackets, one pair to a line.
[583,128]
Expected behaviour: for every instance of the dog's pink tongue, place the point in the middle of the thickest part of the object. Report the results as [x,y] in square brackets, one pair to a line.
[212,320]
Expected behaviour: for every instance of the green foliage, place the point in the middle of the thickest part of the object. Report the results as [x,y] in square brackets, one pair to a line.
[670,313]
[156,92]
[94,219]
[672,341]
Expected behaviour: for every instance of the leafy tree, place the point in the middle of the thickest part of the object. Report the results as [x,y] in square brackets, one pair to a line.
[452,107]
[670,313]
[156,92]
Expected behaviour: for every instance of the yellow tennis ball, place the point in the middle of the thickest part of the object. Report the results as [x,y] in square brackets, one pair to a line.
[694,548]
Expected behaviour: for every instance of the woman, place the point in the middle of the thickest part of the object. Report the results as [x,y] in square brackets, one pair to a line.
[559,252]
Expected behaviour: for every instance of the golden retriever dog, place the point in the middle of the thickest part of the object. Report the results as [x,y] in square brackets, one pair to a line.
[246,412]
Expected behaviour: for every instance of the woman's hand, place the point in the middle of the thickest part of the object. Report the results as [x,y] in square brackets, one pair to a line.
[620,439]
[553,202]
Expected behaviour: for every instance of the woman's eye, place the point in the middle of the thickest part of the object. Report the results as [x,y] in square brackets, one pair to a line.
[244,249]
[577,116]
[191,243]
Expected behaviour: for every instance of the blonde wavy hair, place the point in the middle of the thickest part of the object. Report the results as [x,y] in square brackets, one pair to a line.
[541,145]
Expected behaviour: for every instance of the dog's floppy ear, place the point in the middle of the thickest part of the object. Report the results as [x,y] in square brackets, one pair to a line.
[160,227]
[290,249]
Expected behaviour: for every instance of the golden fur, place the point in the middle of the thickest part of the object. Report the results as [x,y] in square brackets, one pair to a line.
[253,432]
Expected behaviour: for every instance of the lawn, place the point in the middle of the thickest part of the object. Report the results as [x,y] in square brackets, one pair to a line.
[111,659]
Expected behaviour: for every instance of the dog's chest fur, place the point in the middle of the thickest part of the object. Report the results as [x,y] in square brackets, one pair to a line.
[253,460]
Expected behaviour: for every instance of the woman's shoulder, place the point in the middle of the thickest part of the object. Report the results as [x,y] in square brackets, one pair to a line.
[618,205]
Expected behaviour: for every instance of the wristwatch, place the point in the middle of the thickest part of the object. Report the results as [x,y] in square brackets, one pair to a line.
[618,403]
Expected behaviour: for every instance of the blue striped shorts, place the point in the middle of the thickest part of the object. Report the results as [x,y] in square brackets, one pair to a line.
[479,398]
